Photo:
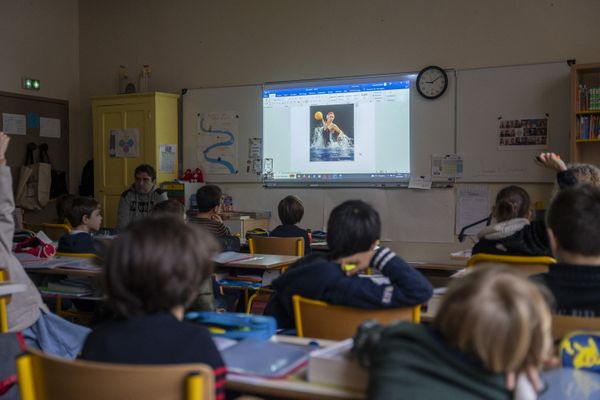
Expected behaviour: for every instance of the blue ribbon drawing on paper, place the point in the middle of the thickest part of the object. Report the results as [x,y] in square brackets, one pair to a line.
[230,167]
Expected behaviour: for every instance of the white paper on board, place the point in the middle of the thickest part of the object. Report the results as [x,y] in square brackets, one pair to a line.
[14,124]
[49,127]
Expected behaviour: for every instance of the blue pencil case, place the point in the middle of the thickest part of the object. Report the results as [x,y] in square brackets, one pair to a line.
[235,325]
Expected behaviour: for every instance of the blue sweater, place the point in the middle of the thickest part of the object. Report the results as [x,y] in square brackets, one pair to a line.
[78,242]
[317,278]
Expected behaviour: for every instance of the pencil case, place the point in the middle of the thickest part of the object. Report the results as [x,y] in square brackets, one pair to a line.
[235,325]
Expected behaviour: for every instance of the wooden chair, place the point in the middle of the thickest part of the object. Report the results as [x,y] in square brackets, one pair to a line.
[318,319]
[529,265]
[6,290]
[283,246]
[44,377]
[563,324]
[55,231]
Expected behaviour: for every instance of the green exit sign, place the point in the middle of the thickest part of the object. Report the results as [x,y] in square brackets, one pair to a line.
[30,84]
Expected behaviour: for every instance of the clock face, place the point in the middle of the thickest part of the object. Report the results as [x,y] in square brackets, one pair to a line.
[432,82]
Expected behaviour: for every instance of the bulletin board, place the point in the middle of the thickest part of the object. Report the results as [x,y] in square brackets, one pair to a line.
[39,120]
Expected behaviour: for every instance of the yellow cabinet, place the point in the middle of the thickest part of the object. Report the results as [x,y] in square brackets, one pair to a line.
[128,131]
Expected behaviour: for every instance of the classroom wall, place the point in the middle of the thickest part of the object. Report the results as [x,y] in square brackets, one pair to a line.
[192,43]
[40,39]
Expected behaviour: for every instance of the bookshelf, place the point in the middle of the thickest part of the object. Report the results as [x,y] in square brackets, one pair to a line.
[585,114]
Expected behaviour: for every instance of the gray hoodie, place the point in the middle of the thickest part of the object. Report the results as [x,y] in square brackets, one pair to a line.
[135,205]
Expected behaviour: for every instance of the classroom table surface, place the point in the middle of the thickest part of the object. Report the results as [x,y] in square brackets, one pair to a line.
[560,383]
[295,386]
[262,261]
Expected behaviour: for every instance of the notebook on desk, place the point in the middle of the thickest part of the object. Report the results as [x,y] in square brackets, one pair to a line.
[264,358]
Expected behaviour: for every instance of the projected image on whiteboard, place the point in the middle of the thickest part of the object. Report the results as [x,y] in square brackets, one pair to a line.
[332,133]
[340,132]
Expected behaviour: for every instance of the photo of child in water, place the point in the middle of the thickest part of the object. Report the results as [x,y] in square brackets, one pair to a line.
[332,132]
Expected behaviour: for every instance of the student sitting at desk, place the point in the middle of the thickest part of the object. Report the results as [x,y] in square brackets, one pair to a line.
[291,211]
[492,325]
[26,310]
[205,300]
[152,272]
[574,228]
[353,231]
[137,201]
[84,216]
[208,198]
[513,233]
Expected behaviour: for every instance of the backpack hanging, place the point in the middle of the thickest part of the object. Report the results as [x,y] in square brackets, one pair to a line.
[33,188]
[58,185]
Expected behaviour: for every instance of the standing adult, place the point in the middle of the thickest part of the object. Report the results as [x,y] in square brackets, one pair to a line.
[138,201]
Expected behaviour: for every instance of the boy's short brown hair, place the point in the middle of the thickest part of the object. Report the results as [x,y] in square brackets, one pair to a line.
[80,207]
[155,265]
[496,315]
[170,207]
[208,197]
[290,210]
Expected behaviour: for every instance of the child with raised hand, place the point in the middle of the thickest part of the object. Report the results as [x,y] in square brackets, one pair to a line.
[513,232]
[152,273]
[569,175]
[84,216]
[291,211]
[26,310]
[353,232]
[492,326]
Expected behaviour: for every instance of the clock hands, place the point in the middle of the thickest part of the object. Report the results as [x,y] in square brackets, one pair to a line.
[434,80]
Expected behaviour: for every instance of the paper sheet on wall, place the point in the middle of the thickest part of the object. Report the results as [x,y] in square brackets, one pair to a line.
[419,182]
[446,166]
[168,156]
[50,127]
[218,134]
[124,143]
[473,204]
[14,124]
[523,133]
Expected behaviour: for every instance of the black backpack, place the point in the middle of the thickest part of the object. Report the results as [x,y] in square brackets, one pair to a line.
[86,188]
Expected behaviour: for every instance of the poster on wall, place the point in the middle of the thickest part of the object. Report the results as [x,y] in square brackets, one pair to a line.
[217,143]
[446,166]
[522,133]
[168,158]
[124,143]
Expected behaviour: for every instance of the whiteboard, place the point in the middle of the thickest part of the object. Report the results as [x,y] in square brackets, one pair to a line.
[246,103]
[488,95]
[432,126]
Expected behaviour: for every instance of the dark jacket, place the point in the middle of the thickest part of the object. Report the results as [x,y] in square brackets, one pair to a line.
[566,179]
[515,237]
[317,278]
[78,242]
[155,339]
[287,230]
[576,288]
[412,362]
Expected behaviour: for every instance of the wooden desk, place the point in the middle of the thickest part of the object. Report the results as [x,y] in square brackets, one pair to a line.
[438,274]
[295,386]
[262,262]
